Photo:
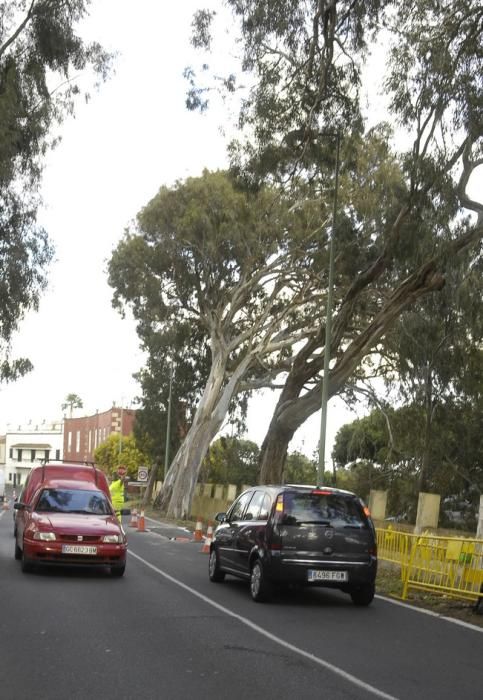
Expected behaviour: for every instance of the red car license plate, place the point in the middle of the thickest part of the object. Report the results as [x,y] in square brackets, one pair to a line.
[78,549]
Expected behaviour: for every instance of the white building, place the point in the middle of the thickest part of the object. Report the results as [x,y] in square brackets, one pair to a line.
[27,445]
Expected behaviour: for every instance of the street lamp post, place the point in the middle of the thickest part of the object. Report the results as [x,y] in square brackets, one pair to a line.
[168,423]
[328,327]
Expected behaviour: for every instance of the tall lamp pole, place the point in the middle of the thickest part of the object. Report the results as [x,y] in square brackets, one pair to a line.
[168,423]
[328,327]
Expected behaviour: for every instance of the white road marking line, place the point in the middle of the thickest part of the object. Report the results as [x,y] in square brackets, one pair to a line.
[414,608]
[315,659]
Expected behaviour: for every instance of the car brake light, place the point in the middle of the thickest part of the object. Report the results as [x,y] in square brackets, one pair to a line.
[320,492]
[367,511]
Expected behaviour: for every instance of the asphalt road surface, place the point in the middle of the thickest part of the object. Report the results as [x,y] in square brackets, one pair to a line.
[164,631]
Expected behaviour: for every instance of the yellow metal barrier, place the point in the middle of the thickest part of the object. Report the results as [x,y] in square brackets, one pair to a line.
[395,546]
[447,565]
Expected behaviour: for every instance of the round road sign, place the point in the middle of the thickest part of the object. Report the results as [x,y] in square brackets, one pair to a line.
[143,474]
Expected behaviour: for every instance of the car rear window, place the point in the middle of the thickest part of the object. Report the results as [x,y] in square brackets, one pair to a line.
[337,510]
[73,501]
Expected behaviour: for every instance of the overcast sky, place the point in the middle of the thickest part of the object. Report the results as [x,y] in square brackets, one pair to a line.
[134,136]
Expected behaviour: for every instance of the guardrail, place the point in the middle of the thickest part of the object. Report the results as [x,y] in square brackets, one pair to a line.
[449,566]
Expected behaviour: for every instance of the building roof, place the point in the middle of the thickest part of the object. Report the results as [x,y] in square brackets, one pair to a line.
[32,446]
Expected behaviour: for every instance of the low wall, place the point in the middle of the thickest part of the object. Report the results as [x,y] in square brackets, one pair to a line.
[210,499]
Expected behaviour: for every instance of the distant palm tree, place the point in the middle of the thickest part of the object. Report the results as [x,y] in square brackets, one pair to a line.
[72,401]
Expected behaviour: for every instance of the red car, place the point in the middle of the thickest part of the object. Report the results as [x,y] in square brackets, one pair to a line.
[70,523]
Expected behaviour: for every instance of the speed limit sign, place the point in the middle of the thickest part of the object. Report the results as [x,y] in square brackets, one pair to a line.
[143,474]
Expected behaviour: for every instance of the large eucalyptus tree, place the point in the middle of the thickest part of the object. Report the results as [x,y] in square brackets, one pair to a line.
[242,267]
[305,66]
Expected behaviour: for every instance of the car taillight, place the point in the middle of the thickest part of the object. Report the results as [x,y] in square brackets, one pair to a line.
[279,505]
[367,511]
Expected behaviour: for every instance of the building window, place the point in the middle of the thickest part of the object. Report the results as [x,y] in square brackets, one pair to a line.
[11,453]
[32,455]
[46,455]
[69,441]
[77,441]
[19,455]
[89,438]
[57,454]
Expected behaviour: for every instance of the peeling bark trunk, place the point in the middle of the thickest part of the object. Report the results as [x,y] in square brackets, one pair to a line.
[178,490]
[274,453]
[428,409]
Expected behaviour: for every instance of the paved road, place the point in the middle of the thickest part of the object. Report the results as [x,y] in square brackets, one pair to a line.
[165,631]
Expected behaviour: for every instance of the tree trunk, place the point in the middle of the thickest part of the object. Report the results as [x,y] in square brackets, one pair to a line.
[428,409]
[273,453]
[178,490]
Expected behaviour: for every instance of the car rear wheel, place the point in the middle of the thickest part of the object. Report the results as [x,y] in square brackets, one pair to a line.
[260,587]
[18,552]
[118,571]
[363,595]
[215,573]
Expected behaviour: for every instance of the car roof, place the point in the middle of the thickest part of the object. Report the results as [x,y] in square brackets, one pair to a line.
[303,488]
[73,484]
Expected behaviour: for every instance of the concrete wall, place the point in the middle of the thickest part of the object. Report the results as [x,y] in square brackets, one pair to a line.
[479,531]
[378,504]
[428,512]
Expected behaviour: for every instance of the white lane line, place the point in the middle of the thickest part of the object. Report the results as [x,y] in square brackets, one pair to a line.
[315,659]
[414,608]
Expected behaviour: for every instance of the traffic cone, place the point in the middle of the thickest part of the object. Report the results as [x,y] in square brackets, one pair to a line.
[141,526]
[199,530]
[208,540]
[134,518]
[6,505]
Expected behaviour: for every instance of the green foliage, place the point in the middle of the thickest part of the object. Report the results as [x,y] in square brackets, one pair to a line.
[367,458]
[302,63]
[41,59]
[72,401]
[117,450]
[231,461]
[299,469]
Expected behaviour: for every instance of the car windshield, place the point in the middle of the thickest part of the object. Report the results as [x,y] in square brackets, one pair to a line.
[73,501]
[335,510]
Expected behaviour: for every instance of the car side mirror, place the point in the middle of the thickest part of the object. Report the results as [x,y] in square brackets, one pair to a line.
[18,505]
[220,517]
[125,511]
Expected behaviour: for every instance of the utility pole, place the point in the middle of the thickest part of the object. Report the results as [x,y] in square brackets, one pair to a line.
[328,327]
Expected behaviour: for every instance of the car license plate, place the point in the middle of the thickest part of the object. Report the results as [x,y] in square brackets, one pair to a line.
[78,549]
[318,575]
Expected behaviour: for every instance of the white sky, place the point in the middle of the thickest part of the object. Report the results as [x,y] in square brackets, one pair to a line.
[134,136]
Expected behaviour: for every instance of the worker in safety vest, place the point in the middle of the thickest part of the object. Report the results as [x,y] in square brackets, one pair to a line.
[116,487]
